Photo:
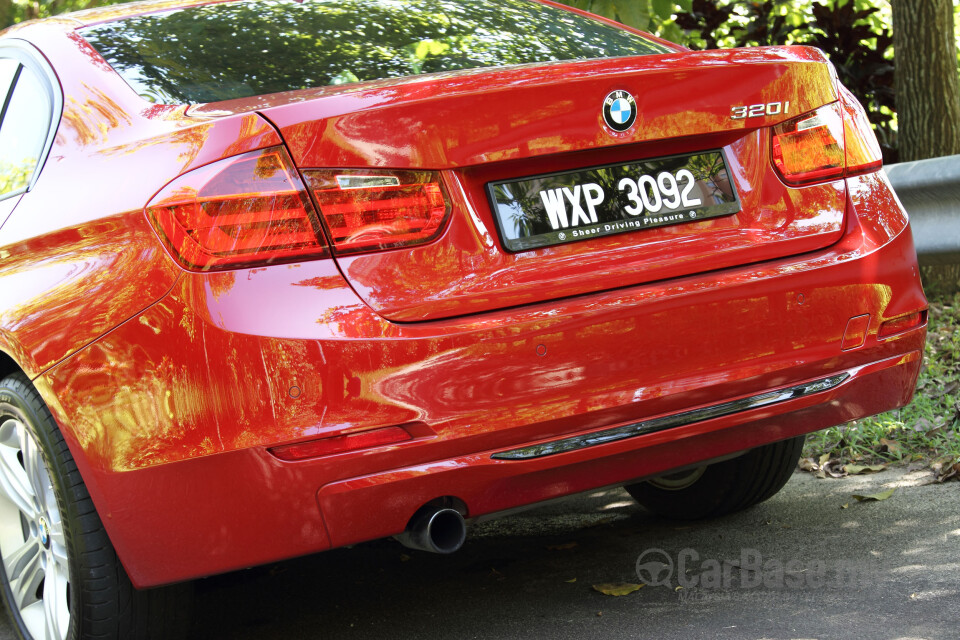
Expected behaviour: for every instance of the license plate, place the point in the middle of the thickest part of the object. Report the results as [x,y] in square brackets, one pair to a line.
[547,210]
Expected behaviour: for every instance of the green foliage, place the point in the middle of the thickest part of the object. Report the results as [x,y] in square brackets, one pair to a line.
[654,16]
[14,177]
[766,22]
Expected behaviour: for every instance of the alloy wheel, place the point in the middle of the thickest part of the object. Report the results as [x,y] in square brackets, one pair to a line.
[36,569]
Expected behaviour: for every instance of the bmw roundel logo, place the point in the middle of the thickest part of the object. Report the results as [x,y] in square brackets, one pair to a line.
[619,110]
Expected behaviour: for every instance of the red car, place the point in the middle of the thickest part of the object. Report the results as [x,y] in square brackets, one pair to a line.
[282,276]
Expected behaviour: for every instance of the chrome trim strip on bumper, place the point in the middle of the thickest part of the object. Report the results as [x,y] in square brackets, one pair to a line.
[668,422]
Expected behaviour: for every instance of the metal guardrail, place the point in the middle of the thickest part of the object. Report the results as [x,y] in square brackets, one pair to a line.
[930,191]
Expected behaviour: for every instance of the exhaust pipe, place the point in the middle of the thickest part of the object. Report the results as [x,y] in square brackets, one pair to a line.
[435,529]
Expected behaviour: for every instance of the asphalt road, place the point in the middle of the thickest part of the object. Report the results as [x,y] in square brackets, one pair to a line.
[797,566]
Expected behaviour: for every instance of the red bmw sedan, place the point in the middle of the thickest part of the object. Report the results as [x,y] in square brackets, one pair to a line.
[285,275]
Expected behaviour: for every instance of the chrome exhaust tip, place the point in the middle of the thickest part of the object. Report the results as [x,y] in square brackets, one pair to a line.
[435,529]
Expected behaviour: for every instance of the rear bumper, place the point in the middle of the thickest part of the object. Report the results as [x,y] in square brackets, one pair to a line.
[171,415]
[380,505]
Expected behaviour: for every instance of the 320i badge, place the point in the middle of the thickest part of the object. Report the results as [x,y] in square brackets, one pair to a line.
[278,277]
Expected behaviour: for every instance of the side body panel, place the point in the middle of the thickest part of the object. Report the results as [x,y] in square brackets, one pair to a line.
[77,256]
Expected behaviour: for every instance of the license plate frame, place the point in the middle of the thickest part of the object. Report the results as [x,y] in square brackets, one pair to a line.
[526,219]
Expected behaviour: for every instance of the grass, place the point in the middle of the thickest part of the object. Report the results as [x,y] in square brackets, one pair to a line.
[928,429]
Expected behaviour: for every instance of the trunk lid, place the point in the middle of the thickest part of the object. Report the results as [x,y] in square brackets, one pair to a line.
[480,128]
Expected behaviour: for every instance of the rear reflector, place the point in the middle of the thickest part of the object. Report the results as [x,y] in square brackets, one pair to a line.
[243,211]
[901,324]
[341,444]
[373,210]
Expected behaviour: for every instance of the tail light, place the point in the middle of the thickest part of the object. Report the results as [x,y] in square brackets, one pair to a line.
[243,211]
[810,148]
[372,210]
[832,142]
[863,150]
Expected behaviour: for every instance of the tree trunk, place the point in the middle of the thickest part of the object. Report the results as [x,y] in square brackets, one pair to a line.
[926,80]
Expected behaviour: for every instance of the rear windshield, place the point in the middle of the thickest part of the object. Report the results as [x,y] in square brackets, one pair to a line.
[254,47]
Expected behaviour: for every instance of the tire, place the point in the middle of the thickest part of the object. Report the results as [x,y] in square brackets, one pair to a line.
[723,487]
[60,575]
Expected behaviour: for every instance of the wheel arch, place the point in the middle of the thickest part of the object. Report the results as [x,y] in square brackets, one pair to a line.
[8,365]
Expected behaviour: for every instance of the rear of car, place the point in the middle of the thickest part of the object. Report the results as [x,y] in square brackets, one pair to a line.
[424,257]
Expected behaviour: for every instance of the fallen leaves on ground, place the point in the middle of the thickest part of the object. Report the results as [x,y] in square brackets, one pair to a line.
[883,495]
[827,467]
[617,588]
[857,469]
[824,467]
[891,446]
[938,427]
[946,469]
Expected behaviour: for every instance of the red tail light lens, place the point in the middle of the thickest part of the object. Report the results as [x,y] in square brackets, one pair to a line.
[243,211]
[374,210]
[863,150]
[810,148]
[832,142]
